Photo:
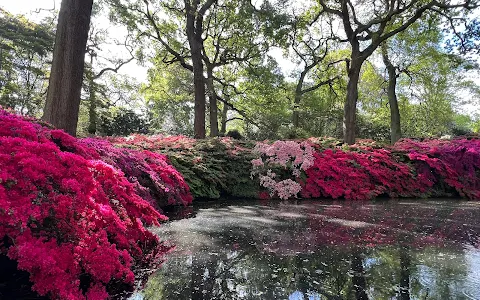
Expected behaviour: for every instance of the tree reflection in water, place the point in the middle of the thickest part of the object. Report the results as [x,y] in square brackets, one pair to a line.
[319,250]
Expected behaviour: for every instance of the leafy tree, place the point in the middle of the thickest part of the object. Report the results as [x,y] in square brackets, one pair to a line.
[178,26]
[395,128]
[123,122]
[230,42]
[262,100]
[169,96]
[101,63]
[312,46]
[25,49]
[367,25]
[402,51]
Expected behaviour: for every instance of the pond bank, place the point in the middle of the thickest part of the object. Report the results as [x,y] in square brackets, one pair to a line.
[320,167]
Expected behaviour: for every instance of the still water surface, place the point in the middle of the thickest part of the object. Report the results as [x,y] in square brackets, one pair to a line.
[321,250]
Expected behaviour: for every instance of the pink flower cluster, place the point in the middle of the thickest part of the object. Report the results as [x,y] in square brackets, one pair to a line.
[291,156]
[71,220]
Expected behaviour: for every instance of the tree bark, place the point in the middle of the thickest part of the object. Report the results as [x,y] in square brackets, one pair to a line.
[65,84]
[92,108]
[212,96]
[395,129]
[92,113]
[223,129]
[350,108]
[92,101]
[194,30]
[298,99]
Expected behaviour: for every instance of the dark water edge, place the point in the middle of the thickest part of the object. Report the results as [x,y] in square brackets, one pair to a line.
[408,249]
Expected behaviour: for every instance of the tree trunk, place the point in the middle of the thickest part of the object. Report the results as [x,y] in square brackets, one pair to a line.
[194,34]
[212,96]
[92,108]
[199,87]
[298,99]
[350,108]
[395,129]
[223,130]
[63,96]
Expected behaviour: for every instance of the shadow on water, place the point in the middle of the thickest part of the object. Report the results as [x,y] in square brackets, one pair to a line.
[319,250]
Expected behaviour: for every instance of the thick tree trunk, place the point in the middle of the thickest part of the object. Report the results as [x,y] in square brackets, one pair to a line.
[63,96]
[194,34]
[212,96]
[199,87]
[223,130]
[350,108]
[297,100]
[395,129]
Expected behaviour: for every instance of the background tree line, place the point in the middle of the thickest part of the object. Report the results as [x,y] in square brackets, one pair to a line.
[270,69]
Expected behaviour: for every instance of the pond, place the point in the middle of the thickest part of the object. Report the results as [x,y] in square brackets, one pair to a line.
[321,250]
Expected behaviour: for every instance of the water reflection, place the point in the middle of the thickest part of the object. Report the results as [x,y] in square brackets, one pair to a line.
[318,250]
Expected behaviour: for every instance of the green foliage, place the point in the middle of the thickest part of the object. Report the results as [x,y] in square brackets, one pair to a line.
[169,97]
[123,122]
[235,134]
[25,50]
[213,168]
[294,133]
[462,125]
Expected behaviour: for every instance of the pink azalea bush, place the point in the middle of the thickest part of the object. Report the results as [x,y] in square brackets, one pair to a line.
[455,163]
[154,179]
[74,222]
[323,168]
[293,157]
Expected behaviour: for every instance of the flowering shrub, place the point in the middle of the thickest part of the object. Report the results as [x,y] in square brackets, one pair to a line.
[212,167]
[455,163]
[360,176]
[73,222]
[154,179]
[364,171]
[290,156]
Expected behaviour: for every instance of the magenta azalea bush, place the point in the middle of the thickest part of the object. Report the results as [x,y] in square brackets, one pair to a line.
[71,211]
[365,171]
[453,164]
[370,174]
[154,179]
